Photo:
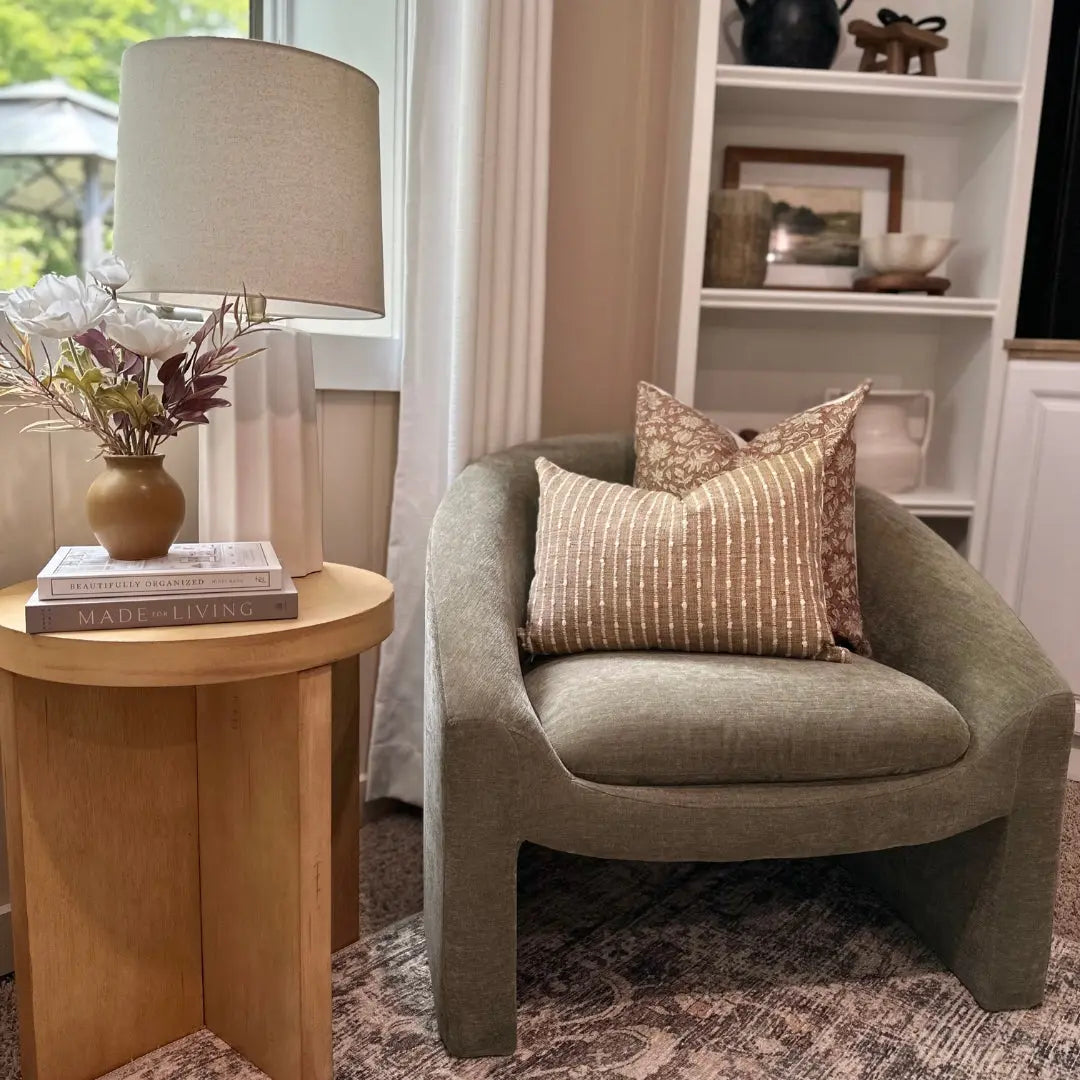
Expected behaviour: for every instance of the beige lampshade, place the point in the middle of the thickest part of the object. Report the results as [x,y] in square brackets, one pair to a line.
[247,165]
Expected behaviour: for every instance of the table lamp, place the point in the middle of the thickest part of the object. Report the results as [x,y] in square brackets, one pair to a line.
[248,166]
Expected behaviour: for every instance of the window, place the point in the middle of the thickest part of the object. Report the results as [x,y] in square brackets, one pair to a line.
[354,354]
[60,60]
[59,84]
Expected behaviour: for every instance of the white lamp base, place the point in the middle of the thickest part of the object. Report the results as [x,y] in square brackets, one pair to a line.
[259,472]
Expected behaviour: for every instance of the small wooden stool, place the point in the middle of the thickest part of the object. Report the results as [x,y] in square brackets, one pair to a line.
[900,42]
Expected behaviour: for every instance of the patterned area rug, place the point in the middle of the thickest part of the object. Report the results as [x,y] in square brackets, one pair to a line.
[782,971]
[765,971]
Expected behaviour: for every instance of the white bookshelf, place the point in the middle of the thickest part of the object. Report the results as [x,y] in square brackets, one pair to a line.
[968,138]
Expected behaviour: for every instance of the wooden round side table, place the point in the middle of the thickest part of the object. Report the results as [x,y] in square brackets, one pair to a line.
[168,802]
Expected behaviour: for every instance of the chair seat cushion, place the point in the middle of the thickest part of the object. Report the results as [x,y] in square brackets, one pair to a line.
[667,718]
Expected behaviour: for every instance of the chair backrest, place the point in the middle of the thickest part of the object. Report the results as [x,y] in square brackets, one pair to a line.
[488,517]
[604,457]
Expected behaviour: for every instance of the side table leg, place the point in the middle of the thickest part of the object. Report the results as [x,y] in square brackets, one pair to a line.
[264,834]
[345,819]
[102,825]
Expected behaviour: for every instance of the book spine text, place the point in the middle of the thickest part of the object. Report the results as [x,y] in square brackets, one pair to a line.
[61,617]
[50,588]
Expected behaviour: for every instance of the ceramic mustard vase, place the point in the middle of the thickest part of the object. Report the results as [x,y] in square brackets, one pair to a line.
[135,508]
[887,456]
[791,33]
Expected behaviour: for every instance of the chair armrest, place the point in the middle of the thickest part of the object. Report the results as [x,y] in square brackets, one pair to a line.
[479,567]
[928,613]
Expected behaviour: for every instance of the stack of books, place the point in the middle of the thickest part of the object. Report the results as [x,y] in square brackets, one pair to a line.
[81,588]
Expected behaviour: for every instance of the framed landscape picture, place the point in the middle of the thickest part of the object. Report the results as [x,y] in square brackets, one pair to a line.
[824,203]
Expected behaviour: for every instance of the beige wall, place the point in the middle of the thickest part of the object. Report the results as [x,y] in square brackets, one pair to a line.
[609,101]
[358,431]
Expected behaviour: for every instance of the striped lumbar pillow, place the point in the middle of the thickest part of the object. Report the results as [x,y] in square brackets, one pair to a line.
[732,566]
[679,448]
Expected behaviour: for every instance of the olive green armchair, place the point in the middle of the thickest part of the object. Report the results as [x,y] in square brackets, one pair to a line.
[938,767]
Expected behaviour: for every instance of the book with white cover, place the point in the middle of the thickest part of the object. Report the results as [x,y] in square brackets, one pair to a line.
[194,568]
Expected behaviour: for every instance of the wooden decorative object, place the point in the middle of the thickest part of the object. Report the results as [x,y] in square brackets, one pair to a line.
[901,282]
[899,43]
[737,241]
[169,801]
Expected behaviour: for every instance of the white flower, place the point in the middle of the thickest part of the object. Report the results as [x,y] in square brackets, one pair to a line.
[57,307]
[139,330]
[111,272]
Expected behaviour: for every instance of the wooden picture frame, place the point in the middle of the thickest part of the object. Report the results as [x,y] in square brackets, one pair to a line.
[880,207]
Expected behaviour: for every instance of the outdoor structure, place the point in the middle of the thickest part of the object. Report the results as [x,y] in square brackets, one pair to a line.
[58,157]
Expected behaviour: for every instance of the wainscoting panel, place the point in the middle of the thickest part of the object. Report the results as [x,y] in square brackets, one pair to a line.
[358,432]
[26,515]
[44,477]
[1074,753]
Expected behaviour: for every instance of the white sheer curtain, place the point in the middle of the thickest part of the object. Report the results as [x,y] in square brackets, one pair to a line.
[476,219]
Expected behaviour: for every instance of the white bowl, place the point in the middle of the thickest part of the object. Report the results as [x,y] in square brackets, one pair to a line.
[911,253]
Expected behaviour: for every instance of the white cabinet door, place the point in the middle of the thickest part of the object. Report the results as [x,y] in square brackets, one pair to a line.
[1033,536]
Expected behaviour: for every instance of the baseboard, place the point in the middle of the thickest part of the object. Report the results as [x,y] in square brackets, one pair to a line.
[7,955]
[1074,755]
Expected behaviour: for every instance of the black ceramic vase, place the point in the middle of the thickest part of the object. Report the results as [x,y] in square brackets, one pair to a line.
[791,33]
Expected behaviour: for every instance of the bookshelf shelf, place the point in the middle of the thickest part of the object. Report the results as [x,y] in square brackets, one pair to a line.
[936,502]
[797,300]
[851,95]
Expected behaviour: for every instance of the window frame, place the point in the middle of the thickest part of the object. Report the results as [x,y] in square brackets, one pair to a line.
[367,356]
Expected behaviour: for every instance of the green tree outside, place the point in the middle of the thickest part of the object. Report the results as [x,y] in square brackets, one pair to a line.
[82,41]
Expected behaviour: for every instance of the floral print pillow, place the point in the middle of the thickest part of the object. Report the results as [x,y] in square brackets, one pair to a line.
[679,448]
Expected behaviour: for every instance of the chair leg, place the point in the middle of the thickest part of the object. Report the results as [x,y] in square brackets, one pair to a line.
[470,918]
[982,900]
